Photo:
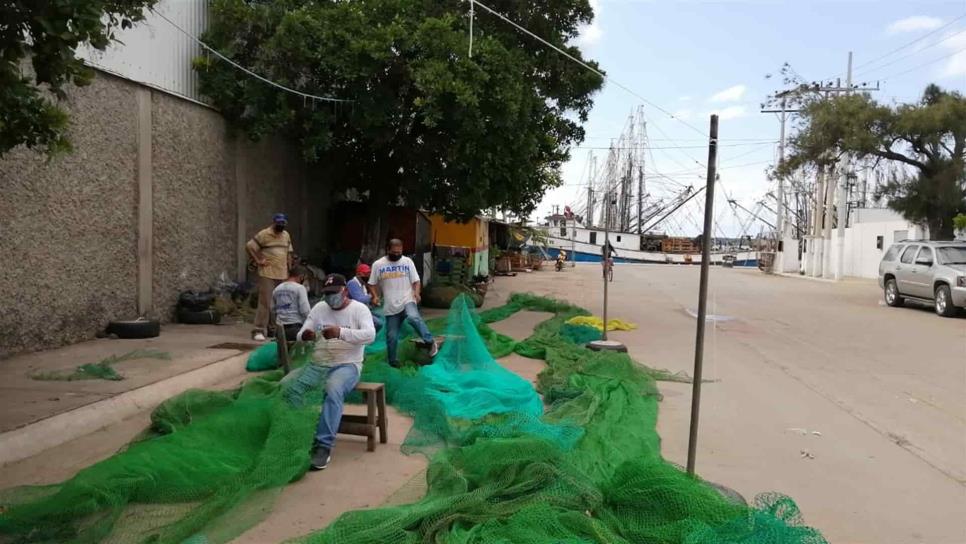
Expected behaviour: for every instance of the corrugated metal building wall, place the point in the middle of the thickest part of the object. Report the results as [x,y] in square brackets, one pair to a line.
[156,53]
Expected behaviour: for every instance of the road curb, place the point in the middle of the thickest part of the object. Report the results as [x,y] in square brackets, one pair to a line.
[806,278]
[61,428]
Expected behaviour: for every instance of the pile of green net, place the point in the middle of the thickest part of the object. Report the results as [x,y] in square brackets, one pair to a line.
[581,465]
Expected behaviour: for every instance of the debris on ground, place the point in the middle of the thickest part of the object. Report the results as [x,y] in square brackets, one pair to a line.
[103,369]
[803,432]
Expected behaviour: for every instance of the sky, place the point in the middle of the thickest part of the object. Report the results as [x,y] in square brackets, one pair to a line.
[694,58]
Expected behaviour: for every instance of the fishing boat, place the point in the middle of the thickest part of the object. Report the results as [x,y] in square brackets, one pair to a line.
[583,244]
[620,207]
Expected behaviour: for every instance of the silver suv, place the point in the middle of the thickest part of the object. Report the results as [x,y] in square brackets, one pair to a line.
[931,272]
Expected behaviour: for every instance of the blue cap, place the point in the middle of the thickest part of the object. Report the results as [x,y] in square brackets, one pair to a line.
[280,218]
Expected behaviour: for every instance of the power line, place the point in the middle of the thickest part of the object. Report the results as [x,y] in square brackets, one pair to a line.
[914,53]
[585,65]
[930,63]
[901,47]
[246,70]
[913,42]
[705,139]
[748,152]
[642,148]
[698,173]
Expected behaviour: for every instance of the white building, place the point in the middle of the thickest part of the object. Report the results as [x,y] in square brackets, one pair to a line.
[871,232]
[158,51]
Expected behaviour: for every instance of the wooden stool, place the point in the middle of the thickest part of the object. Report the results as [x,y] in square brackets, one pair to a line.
[375,396]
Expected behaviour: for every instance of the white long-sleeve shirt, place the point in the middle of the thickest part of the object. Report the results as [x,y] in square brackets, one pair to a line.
[356,330]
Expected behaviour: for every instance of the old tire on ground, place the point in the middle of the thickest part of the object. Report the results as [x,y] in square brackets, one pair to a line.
[891,293]
[944,302]
[134,328]
[196,301]
[202,317]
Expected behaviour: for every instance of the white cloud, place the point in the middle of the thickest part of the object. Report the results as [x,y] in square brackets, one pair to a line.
[592,33]
[685,99]
[732,112]
[731,94]
[956,65]
[914,23]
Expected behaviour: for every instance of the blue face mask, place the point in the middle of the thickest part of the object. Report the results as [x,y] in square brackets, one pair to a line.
[335,300]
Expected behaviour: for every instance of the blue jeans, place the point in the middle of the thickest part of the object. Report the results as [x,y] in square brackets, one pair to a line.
[339,382]
[377,321]
[393,322]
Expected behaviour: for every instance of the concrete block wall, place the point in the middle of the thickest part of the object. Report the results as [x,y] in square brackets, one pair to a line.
[157,197]
[270,178]
[68,246]
[194,196]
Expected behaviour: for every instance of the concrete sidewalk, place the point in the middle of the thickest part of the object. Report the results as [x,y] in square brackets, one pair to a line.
[38,413]
[355,479]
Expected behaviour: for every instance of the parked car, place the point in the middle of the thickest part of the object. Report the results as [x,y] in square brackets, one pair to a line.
[930,272]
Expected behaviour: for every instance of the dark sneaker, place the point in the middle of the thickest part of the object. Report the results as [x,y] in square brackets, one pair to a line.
[320,457]
[394,364]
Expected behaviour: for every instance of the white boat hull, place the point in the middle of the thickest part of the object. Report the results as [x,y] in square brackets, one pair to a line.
[586,252]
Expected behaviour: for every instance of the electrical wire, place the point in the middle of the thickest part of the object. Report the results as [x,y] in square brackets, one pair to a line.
[758,144]
[921,66]
[914,53]
[246,70]
[913,42]
[705,139]
[587,66]
[901,47]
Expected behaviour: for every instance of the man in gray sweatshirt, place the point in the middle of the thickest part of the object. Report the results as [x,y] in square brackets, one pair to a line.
[290,302]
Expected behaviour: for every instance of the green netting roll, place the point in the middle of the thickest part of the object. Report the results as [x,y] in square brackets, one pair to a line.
[579,334]
[264,357]
[583,464]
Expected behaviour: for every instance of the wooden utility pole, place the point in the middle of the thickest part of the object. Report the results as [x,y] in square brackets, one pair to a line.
[703,292]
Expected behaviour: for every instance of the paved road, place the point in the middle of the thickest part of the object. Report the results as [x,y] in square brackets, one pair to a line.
[855,409]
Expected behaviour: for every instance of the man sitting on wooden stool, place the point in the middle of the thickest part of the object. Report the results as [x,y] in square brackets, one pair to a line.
[341,329]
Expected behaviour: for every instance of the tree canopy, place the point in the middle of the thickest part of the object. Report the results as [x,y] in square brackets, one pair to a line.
[428,125]
[927,137]
[39,37]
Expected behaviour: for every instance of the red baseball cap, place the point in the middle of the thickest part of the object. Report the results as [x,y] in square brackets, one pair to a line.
[363,270]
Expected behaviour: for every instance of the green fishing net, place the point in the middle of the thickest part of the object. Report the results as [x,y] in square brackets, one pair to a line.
[582,464]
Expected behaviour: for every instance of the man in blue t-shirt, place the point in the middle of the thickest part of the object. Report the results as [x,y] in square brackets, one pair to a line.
[359,291]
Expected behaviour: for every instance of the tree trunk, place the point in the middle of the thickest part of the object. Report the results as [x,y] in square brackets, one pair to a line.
[374,235]
[941,229]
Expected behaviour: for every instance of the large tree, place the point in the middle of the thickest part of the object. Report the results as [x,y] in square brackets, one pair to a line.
[37,62]
[428,125]
[928,138]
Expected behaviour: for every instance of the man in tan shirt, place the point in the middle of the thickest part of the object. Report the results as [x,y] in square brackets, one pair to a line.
[271,249]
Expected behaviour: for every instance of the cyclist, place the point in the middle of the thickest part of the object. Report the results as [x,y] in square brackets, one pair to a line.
[607,260]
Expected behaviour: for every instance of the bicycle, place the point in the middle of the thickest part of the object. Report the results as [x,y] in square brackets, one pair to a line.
[608,268]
